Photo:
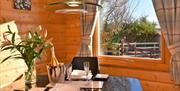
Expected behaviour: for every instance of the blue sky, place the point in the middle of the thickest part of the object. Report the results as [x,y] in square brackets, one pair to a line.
[144,8]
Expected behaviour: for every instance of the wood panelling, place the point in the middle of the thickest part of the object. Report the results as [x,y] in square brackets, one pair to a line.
[150,80]
[136,73]
[158,86]
[65,30]
[131,63]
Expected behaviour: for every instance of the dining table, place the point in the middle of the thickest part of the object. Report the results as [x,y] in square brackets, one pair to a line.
[112,83]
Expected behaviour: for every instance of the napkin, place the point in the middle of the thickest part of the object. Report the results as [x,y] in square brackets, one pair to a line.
[103,76]
[80,74]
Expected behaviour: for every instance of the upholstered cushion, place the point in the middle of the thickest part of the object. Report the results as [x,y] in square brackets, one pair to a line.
[11,69]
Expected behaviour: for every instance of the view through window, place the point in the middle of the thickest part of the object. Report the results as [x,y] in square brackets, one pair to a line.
[129,28]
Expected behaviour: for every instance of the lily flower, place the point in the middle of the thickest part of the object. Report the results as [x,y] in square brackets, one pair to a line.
[43,33]
[6,40]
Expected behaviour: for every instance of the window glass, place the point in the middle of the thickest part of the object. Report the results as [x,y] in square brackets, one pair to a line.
[129,28]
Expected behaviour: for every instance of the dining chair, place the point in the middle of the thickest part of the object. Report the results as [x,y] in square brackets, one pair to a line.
[77,63]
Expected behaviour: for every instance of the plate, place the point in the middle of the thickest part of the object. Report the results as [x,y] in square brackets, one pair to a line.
[80,74]
[102,76]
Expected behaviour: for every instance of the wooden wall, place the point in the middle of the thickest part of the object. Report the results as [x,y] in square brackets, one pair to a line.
[65,30]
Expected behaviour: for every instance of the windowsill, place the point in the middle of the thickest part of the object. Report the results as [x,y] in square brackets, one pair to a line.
[161,64]
[133,62]
[139,59]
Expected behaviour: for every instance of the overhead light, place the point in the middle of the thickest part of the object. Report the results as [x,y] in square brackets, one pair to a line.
[74,6]
[73,3]
[71,11]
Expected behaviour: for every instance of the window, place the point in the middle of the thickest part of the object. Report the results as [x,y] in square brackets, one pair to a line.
[129,28]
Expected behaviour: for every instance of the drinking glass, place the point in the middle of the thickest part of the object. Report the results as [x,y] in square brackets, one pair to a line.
[86,68]
[68,71]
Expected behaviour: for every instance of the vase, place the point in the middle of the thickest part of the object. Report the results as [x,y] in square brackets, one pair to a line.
[56,71]
[56,74]
[30,77]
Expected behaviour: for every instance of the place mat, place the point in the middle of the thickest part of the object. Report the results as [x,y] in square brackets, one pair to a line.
[91,84]
[65,87]
[37,89]
[77,84]
[87,84]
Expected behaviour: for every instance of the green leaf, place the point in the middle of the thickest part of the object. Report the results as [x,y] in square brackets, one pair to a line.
[8,32]
[13,38]
[20,46]
[19,57]
[13,51]
[26,47]
[9,29]
[41,50]
[7,48]
[11,56]
[6,58]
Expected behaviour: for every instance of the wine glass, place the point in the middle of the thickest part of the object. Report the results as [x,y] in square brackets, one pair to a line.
[86,68]
[68,71]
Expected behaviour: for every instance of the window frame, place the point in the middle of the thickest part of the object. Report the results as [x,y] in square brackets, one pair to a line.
[131,62]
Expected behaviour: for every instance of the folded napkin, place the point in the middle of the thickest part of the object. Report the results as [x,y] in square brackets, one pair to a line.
[80,74]
[103,76]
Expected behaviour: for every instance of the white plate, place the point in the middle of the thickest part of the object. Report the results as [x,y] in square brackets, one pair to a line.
[80,74]
[102,76]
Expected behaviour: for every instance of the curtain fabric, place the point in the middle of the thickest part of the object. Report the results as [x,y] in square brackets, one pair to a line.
[88,21]
[168,13]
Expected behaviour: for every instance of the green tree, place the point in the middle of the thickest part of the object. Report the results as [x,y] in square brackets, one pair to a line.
[138,31]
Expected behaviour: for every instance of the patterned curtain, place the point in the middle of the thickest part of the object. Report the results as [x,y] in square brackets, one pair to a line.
[88,21]
[168,12]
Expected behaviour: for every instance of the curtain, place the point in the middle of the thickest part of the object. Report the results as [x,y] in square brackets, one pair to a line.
[168,13]
[88,22]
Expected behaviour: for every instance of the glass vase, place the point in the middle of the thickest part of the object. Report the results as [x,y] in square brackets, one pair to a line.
[56,70]
[30,78]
